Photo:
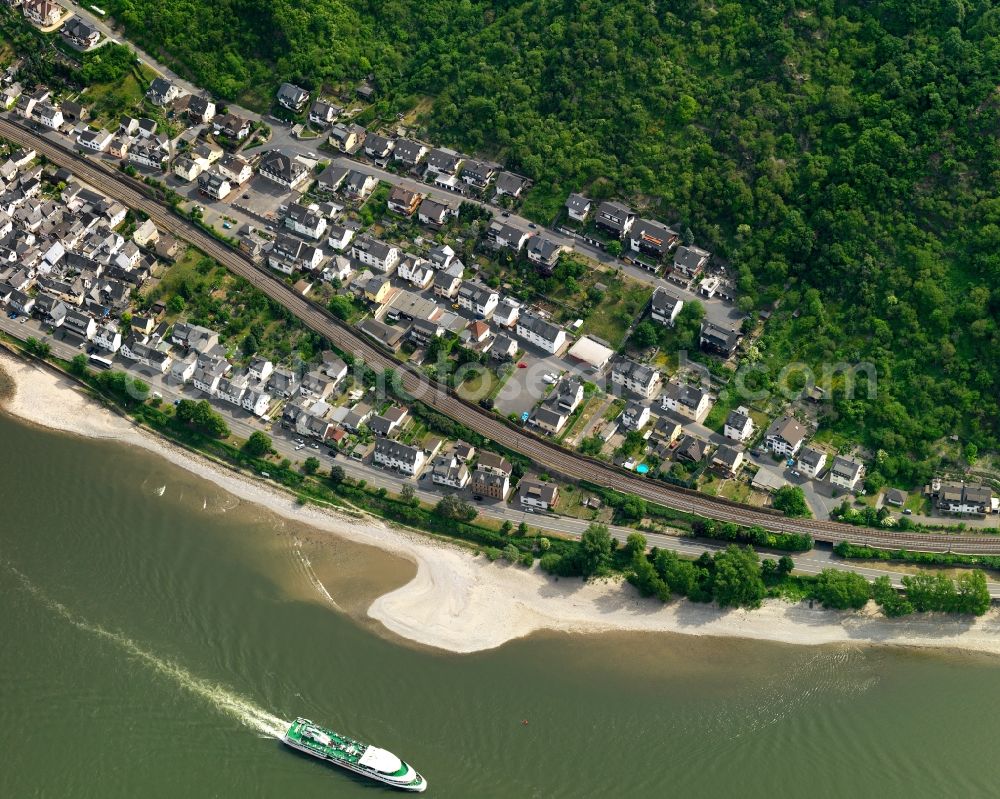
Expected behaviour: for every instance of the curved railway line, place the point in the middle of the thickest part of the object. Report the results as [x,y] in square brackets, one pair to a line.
[544,453]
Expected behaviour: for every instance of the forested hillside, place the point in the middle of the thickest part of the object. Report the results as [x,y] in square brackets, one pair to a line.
[849,149]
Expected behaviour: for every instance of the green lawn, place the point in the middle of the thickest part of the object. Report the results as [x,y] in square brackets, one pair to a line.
[611,319]
[109,101]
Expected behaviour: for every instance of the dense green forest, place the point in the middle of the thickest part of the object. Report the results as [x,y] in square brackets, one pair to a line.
[842,156]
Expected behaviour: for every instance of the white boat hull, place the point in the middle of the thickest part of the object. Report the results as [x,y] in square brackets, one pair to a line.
[400,782]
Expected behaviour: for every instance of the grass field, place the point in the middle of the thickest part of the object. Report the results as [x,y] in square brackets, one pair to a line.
[611,319]
[109,101]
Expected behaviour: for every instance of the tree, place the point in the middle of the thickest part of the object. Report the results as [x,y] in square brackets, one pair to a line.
[36,347]
[892,603]
[544,545]
[511,553]
[407,494]
[176,304]
[595,550]
[506,528]
[522,529]
[842,589]
[785,565]
[258,444]
[632,508]
[635,544]
[614,248]
[249,345]
[592,445]
[451,507]
[644,335]
[644,577]
[78,365]
[737,581]
[930,592]
[791,501]
[337,474]
[341,306]
[311,465]
[973,594]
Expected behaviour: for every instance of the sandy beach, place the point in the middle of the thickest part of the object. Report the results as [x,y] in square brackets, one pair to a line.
[461,603]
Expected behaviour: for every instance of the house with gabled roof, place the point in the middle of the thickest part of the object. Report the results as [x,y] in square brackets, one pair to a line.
[283,169]
[811,461]
[719,340]
[403,201]
[441,160]
[846,472]
[510,185]
[739,425]
[408,152]
[540,332]
[292,97]
[785,436]
[479,174]
[163,92]
[689,261]
[664,306]
[652,238]
[691,402]
[615,218]
[432,212]
[323,113]
[578,207]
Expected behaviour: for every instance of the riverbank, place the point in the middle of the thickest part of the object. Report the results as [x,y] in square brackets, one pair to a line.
[460,603]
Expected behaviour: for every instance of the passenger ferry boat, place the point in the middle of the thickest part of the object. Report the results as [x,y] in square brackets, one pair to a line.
[372,762]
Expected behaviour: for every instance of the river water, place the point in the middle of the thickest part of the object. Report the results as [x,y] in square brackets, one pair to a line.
[155,635]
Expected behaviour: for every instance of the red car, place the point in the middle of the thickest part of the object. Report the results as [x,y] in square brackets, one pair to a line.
[522,365]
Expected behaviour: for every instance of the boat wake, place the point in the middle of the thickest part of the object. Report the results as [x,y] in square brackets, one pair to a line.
[233,705]
[311,575]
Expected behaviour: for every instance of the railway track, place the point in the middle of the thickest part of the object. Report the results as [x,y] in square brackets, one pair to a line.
[544,453]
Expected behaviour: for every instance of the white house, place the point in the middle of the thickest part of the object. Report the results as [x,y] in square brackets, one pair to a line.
[689,401]
[257,402]
[635,416]
[214,185]
[811,461]
[235,169]
[96,140]
[577,207]
[416,270]
[739,425]
[108,337]
[376,254]
[541,333]
[283,170]
[785,436]
[664,307]
[636,377]
[535,495]
[339,236]
[49,115]
[846,472]
[260,369]
[448,471]
[403,458]
[183,369]
[477,298]
[305,221]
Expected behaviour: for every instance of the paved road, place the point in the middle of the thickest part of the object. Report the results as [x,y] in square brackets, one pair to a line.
[285,443]
[716,311]
[544,453]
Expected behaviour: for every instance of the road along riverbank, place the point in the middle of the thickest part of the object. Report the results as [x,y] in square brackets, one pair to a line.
[462,603]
